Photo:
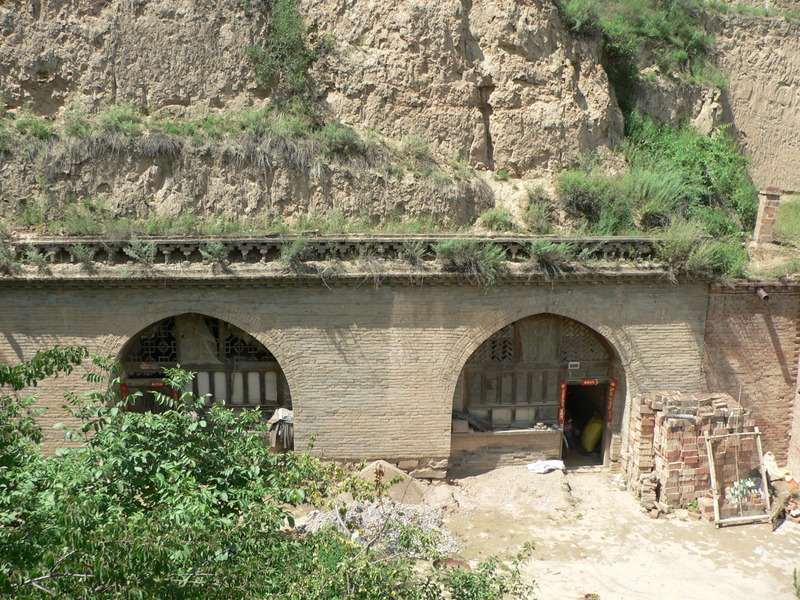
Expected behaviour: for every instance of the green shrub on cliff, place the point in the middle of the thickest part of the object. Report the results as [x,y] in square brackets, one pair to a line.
[669,30]
[282,61]
[675,173]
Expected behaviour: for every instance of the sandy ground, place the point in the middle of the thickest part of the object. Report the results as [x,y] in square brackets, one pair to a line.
[592,538]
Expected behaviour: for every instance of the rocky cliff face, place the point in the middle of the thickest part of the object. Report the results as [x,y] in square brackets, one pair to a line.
[184,54]
[256,179]
[500,83]
[760,57]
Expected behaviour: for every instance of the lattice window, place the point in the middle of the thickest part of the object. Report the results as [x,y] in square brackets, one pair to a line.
[156,345]
[497,349]
[239,346]
[579,343]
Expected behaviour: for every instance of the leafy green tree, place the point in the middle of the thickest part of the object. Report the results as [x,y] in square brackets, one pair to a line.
[188,503]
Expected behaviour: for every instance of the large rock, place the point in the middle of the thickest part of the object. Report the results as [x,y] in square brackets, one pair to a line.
[406,490]
[500,82]
[157,53]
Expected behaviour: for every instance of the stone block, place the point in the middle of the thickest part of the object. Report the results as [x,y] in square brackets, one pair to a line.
[429,473]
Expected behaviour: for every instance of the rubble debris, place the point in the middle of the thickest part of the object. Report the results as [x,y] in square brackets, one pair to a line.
[793,510]
[393,527]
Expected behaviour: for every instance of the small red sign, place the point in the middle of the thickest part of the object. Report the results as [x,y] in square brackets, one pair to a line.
[123,394]
[589,381]
[155,384]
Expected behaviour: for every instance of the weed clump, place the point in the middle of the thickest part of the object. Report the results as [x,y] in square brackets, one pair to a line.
[9,263]
[215,252]
[668,31]
[549,258]
[143,253]
[686,248]
[122,118]
[498,218]
[540,210]
[480,263]
[675,174]
[295,254]
[281,63]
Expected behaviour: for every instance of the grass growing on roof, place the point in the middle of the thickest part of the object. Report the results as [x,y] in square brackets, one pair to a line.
[479,262]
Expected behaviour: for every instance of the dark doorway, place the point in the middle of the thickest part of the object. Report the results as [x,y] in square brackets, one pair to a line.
[585,417]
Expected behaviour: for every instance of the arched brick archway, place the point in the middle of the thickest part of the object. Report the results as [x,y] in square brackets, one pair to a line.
[134,323]
[251,323]
[234,361]
[539,370]
[473,337]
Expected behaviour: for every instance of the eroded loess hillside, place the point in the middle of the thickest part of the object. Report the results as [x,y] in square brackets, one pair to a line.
[153,109]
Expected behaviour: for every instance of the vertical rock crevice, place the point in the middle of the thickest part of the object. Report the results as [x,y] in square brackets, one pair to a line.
[485,108]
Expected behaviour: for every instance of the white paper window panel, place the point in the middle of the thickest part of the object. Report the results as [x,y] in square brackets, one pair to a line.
[271,386]
[253,388]
[203,383]
[501,415]
[237,393]
[220,386]
[526,414]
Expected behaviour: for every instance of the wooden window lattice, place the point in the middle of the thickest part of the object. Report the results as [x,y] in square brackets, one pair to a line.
[499,348]
[159,345]
[237,347]
[580,344]
[156,345]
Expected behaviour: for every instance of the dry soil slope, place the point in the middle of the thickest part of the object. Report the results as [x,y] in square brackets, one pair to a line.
[760,57]
[502,83]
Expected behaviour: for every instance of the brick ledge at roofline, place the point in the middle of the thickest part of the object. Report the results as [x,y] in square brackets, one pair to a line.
[370,279]
[269,248]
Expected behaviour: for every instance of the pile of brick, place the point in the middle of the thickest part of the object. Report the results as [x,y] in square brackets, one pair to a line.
[667,462]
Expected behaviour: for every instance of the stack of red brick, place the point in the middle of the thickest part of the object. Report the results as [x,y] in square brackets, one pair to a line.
[666,443]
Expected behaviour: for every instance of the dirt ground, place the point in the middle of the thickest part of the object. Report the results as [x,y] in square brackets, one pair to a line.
[592,538]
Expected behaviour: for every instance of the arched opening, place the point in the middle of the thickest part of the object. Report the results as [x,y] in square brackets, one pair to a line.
[541,374]
[231,365]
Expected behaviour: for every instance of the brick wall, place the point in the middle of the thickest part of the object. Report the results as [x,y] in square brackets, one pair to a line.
[769,200]
[481,452]
[372,371]
[751,353]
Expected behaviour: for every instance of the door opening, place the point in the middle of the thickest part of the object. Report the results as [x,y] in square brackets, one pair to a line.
[585,416]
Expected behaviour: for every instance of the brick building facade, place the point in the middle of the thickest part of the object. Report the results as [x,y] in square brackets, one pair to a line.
[373,369]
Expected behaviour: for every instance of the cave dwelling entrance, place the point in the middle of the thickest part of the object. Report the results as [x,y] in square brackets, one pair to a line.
[542,387]
[231,366]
